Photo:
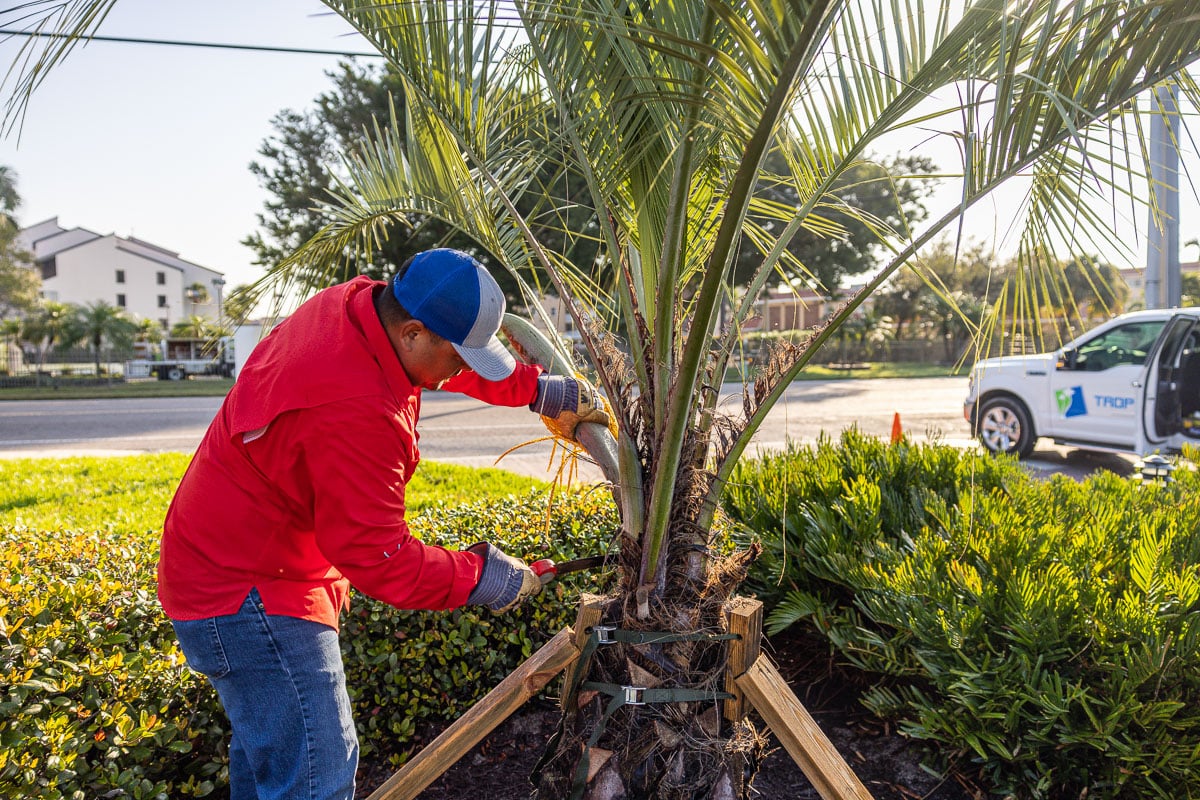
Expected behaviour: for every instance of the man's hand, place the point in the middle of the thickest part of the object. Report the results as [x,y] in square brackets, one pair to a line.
[569,401]
[505,582]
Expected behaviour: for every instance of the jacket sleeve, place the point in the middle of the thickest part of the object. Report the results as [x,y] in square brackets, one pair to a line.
[518,389]
[358,466]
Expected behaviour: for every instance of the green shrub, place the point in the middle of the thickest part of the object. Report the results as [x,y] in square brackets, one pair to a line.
[409,667]
[1048,629]
[95,698]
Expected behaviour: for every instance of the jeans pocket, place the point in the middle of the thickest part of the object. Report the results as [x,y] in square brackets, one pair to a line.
[200,641]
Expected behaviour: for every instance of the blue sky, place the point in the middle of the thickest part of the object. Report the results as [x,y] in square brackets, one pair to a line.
[155,142]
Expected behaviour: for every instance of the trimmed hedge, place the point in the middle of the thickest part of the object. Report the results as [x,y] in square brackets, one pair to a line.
[1048,631]
[95,698]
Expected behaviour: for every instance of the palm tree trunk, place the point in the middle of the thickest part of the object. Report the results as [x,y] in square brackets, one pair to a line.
[644,718]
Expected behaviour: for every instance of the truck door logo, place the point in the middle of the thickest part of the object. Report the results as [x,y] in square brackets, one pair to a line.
[1070,402]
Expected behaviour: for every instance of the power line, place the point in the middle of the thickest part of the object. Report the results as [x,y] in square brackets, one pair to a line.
[177,43]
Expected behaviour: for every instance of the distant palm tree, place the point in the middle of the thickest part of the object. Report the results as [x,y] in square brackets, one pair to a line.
[50,325]
[101,326]
[195,327]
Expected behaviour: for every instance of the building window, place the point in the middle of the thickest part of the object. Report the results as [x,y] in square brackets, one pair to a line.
[162,301]
[120,276]
[49,268]
[161,278]
[120,301]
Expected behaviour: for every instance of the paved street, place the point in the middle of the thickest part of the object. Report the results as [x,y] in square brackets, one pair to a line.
[461,430]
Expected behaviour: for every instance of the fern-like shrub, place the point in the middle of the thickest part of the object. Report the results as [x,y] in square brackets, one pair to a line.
[1049,631]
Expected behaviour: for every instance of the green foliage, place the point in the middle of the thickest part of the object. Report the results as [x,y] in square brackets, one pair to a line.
[95,697]
[404,668]
[1048,630]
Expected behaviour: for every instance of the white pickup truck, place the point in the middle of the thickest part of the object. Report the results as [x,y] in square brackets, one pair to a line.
[1131,385]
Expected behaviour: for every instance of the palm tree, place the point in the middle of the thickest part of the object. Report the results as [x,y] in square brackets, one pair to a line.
[670,110]
[53,323]
[101,325]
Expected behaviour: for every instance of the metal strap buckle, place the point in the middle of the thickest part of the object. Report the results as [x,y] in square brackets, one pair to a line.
[632,695]
[603,634]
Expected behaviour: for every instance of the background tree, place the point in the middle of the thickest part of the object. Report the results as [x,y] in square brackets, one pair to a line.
[197,327]
[19,281]
[102,327]
[1190,288]
[947,282]
[840,238]
[50,324]
[305,159]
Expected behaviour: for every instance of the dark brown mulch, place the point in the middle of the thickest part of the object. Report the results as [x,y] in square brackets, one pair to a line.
[888,764]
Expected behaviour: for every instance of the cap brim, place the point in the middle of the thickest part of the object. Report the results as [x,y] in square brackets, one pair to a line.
[491,362]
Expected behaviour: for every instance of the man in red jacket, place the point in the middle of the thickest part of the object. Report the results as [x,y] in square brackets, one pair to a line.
[297,492]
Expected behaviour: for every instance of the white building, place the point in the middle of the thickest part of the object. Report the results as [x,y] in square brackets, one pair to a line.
[80,266]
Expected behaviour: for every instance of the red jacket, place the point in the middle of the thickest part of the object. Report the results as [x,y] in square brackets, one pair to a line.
[298,486]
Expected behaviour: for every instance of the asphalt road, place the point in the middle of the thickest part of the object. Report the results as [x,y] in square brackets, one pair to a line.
[458,429]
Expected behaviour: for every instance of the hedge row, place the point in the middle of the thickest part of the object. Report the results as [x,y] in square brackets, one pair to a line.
[96,701]
[1048,631]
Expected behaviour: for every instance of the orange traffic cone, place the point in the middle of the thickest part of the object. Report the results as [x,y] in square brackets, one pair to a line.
[897,431]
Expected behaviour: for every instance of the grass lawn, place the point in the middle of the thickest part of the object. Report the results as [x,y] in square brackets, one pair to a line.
[131,493]
[66,390]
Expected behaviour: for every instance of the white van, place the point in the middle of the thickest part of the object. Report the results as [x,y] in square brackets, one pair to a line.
[1131,385]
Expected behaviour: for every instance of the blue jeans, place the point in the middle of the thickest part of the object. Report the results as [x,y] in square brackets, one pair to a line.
[281,682]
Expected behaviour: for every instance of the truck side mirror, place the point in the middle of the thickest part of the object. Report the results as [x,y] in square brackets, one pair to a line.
[1066,359]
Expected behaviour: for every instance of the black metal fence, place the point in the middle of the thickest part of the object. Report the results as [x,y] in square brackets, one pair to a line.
[26,366]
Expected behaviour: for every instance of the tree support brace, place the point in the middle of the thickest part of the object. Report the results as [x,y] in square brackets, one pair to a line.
[751,680]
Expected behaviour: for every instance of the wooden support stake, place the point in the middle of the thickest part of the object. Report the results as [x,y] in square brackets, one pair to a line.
[744,616]
[469,729]
[591,608]
[808,746]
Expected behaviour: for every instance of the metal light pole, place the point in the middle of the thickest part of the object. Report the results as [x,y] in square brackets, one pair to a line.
[1164,287]
[219,284]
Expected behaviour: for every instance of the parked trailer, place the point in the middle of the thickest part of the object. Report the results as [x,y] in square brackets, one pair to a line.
[179,359]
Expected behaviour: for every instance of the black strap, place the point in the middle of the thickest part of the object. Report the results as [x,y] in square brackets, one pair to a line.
[631,695]
[622,695]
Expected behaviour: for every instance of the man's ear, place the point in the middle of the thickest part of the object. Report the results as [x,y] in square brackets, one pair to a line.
[406,332]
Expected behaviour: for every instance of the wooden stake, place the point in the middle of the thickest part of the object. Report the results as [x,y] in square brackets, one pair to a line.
[469,729]
[744,616]
[808,746]
[591,608]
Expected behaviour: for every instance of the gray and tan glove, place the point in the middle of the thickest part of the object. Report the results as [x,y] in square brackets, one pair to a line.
[566,401]
[505,582]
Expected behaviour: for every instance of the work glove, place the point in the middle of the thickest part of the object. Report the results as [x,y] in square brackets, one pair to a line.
[569,401]
[505,582]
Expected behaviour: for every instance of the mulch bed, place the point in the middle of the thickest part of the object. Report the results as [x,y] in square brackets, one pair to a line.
[888,764]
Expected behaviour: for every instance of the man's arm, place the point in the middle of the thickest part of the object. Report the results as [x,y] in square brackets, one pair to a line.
[518,389]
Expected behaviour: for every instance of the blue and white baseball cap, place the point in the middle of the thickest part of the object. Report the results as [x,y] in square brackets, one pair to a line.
[456,298]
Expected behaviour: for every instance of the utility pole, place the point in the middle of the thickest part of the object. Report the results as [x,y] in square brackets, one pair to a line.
[1164,286]
[219,284]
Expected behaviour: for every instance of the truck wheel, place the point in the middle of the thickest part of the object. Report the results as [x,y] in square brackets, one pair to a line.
[176,374]
[1004,427]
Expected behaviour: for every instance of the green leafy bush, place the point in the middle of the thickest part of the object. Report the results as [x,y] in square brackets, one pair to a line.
[95,698]
[408,667]
[1048,629]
